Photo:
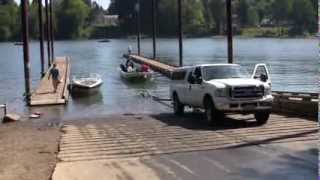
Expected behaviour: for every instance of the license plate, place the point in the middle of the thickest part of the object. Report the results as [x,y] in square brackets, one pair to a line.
[249,106]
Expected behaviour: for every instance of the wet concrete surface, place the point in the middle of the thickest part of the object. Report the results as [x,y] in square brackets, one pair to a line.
[239,163]
[255,162]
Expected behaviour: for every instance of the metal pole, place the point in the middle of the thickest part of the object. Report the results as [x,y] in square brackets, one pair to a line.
[51,31]
[180,33]
[41,36]
[4,106]
[229,32]
[25,38]
[48,33]
[138,26]
[154,27]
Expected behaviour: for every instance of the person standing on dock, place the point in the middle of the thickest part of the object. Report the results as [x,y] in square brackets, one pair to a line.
[54,72]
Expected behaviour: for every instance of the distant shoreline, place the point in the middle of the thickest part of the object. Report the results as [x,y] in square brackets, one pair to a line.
[17,43]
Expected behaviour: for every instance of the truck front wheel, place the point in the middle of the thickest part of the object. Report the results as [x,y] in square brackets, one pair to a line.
[262,117]
[178,107]
[213,116]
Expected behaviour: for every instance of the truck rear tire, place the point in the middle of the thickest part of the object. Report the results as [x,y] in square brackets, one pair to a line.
[262,117]
[178,107]
[213,116]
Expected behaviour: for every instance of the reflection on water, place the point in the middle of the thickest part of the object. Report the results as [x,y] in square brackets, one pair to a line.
[294,67]
[87,99]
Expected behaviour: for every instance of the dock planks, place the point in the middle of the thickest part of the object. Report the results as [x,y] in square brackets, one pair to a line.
[155,65]
[44,95]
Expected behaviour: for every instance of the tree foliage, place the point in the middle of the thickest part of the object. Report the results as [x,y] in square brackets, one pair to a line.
[76,18]
[209,15]
[8,20]
[71,15]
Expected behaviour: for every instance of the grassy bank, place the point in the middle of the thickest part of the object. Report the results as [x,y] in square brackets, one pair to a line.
[273,32]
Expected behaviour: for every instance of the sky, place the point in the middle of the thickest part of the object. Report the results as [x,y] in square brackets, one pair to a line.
[103,3]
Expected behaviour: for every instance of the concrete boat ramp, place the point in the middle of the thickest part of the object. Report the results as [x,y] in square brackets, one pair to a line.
[166,147]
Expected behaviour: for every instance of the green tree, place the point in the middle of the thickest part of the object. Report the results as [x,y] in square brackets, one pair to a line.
[217,11]
[193,16]
[281,10]
[303,16]
[263,8]
[253,17]
[168,13]
[242,12]
[7,2]
[72,15]
[126,12]
[9,24]
[33,20]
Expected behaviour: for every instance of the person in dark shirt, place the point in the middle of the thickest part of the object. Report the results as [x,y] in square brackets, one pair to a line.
[54,73]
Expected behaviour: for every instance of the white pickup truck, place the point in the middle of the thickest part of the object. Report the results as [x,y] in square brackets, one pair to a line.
[221,89]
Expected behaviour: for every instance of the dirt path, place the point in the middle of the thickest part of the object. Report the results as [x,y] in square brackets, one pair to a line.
[27,151]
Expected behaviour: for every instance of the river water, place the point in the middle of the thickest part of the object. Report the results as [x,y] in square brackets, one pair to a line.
[294,67]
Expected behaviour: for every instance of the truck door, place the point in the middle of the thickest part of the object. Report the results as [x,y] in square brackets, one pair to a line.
[188,88]
[261,73]
[197,88]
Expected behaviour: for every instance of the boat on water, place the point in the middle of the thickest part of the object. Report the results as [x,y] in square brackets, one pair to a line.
[135,75]
[89,83]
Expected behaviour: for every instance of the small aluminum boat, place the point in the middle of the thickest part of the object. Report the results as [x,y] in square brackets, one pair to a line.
[136,76]
[86,83]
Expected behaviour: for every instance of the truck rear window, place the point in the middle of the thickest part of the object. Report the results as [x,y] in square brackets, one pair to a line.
[178,75]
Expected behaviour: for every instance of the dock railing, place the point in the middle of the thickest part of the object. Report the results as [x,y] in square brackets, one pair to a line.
[296,103]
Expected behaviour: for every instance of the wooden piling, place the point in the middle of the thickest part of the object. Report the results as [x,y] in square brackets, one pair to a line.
[180,34]
[51,30]
[138,27]
[48,33]
[41,37]
[25,37]
[154,27]
[229,31]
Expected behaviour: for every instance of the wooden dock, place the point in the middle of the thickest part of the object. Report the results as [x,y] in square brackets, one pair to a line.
[305,104]
[44,94]
[165,69]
